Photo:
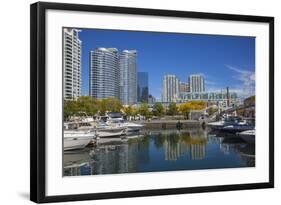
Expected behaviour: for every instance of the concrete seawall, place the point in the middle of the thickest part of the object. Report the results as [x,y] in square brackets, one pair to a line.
[172,124]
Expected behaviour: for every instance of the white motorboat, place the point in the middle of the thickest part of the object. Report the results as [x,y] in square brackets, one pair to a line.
[248,135]
[104,130]
[75,138]
[130,126]
[227,122]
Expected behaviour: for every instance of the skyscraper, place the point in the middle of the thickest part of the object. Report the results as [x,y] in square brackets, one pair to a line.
[71,64]
[104,73]
[143,87]
[128,77]
[196,83]
[170,88]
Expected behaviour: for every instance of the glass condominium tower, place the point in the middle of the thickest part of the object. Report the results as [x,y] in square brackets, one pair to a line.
[71,64]
[128,77]
[104,75]
[143,87]
[196,83]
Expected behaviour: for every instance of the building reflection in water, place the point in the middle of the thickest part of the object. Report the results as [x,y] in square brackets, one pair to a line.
[120,158]
[154,149]
[179,143]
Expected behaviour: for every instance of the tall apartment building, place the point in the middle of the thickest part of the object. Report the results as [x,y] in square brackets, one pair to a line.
[104,75]
[143,87]
[71,64]
[170,88]
[196,83]
[128,76]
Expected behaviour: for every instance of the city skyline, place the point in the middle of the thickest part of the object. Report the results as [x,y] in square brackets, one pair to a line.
[223,60]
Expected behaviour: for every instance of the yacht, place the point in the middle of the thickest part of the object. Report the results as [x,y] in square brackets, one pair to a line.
[105,130]
[76,139]
[130,126]
[248,135]
[237,128]
[76,136]
[230,121]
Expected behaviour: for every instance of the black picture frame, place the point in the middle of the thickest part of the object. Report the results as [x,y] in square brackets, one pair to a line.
[38,101]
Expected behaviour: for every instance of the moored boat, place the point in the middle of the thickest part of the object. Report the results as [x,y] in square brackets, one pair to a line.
[76,138]
[237,128]
[248,135]
[104,130]
[130,126]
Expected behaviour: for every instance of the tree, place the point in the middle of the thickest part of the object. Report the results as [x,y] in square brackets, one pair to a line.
[110,104]
[158,109]
[70,108]
[135,112]
[212,110]
[128,111]
[192,105]
[143,110]
[88,105]
[172,110]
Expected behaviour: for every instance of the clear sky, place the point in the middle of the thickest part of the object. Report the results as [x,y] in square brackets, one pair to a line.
[223,60]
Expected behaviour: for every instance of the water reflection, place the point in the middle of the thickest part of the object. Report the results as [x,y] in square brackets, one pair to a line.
[163,150]
[177,144]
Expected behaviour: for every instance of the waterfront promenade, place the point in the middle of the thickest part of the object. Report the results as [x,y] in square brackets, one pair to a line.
[172,124]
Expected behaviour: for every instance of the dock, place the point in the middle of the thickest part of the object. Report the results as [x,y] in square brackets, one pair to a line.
[172,124]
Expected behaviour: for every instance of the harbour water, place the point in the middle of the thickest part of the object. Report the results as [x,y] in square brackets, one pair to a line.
[161,150]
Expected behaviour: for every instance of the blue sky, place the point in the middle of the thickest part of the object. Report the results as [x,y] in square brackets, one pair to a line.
[223,60]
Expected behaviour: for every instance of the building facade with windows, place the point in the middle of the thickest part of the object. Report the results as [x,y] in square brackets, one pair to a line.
[128,77]
[183,87]
[196,83]
[143,87]
[221,98]
[170,88]
[71,64]
[104,74]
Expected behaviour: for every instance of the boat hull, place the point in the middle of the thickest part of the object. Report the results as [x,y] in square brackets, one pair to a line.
[74,143]
[236,129]
[110,132]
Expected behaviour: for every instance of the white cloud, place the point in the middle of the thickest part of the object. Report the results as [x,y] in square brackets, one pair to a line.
[247,78]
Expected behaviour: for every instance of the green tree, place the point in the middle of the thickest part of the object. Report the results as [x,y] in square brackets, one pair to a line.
[158,109]
[172,109]
[70,108]
[110,104]
[88,105]
[143,110]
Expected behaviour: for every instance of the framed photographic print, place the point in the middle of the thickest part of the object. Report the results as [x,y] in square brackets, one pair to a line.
[129,102]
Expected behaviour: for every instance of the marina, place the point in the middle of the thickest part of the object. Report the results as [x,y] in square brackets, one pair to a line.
[160,150]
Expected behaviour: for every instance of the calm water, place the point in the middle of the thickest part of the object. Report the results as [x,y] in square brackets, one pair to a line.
[167,150]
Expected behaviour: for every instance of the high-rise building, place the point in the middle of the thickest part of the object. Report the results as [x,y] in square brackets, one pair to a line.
[196,83]
[170,88]
[128,77]
[184,87]
[104,73]
[71,64]
[143,87]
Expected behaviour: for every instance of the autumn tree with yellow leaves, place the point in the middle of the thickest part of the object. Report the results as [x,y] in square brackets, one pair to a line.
[185,108]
